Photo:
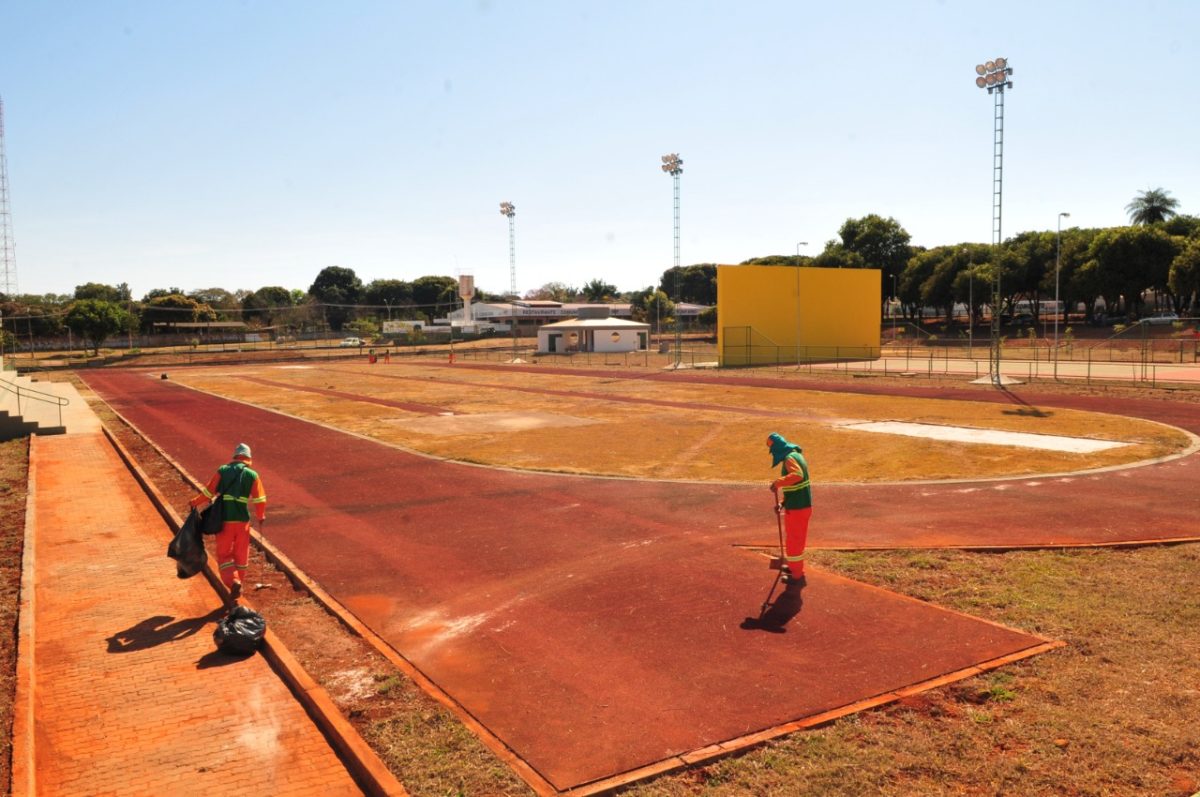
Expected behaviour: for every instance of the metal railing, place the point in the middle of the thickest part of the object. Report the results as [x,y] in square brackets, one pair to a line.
[29,394]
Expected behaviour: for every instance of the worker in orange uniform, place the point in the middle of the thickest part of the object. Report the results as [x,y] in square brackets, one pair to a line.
[795,503]
[240,488]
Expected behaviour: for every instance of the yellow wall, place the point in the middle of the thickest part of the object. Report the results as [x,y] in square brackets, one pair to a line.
[838,308]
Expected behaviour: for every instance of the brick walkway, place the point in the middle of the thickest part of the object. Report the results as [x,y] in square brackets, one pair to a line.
[124,693]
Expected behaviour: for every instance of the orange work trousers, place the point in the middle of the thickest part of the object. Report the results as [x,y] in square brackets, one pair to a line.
[795,523]
[233,551]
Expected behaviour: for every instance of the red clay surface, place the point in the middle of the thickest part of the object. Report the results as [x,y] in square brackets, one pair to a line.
[593,625]
[122,691]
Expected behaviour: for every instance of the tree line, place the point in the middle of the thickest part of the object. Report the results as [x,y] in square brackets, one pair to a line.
[337,300]
[1157,256]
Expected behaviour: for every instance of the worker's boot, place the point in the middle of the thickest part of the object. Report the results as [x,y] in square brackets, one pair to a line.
[235,592]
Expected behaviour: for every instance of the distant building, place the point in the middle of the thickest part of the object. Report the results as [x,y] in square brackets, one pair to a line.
[594,331]
[533,313]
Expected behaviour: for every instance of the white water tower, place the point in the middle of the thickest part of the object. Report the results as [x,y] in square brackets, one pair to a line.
[466,289]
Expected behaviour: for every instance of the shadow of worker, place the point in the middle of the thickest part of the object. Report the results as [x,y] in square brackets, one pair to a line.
[158,630]
[775,616]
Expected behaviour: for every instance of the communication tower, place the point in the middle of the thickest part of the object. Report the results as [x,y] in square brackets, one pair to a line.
[8,257]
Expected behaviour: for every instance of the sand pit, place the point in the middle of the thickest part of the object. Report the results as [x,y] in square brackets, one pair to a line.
[962,434]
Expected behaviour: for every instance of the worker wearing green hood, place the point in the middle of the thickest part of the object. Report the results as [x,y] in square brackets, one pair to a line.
[795,502]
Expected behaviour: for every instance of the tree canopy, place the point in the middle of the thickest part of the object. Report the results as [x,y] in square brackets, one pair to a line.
[265,304]
[108,293]
[881,243]
[163,311]
[652,306]
[599,291]
[1152,206]
[339,289]
[434,295]
[96,320]
[390,294]
[697,283]
[553,292]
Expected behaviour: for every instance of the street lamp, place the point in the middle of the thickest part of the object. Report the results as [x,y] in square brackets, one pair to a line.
[895,301]
[994,76]
[672,164]
[1057,262]
[798,245]
[509,210]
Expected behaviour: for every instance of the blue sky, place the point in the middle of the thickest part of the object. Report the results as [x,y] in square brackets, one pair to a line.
[243,144]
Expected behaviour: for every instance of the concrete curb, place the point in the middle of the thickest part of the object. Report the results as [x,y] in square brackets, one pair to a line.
[368,771]
[24,772]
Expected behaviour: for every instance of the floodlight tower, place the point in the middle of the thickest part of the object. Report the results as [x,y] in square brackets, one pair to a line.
[509,210]
[993,76]
[673,165]
[8,257]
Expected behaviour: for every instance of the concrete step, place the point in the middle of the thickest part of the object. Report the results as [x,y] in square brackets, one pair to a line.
[13,427]
[30,413]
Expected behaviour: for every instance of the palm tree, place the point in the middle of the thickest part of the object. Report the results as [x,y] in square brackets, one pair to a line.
[1151,206]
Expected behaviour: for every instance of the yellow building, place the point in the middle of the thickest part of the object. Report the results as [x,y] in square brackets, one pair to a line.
[770,315]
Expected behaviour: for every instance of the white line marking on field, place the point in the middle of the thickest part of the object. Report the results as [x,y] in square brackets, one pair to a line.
[993,437]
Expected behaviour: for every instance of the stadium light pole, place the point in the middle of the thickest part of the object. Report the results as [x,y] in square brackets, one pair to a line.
[672,164]
[1057,263]
[509,210]
[994,76]
[798,245]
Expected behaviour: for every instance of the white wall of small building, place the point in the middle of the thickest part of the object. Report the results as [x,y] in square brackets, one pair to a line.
[597,340]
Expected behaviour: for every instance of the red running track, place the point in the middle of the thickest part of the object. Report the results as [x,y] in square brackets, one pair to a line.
[1148,503]
[595,626]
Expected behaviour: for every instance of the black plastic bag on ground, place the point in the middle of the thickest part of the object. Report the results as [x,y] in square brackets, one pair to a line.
[187,548]
[240,632]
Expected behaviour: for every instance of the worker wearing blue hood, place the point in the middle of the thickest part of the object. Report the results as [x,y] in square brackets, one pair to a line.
[795,502]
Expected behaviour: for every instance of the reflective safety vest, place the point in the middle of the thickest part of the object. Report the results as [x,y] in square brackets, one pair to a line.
[799,495]
[239,487]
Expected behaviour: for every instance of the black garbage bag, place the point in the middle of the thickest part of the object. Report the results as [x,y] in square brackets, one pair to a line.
[187,548]
[240,632]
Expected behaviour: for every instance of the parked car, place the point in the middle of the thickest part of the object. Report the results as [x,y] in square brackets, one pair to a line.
[1163,318]
[350,342]
[1020,319]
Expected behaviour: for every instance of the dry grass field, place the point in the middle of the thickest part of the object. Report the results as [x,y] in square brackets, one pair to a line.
[665,430]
